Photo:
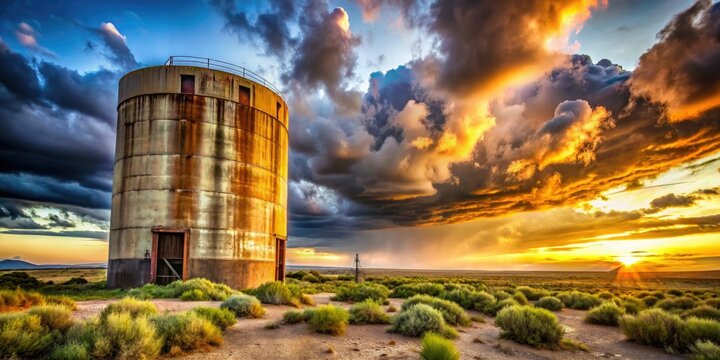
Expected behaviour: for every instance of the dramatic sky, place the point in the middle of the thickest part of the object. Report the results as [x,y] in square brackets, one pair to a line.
[523,135]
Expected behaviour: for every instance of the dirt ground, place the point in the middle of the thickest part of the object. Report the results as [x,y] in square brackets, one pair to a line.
[249,339]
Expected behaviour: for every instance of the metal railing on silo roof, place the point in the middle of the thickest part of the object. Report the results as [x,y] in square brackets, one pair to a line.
[222,66]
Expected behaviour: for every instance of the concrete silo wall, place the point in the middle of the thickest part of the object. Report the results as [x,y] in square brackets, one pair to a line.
[209,167]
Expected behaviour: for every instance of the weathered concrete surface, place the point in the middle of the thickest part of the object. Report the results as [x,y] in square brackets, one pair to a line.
[203,162]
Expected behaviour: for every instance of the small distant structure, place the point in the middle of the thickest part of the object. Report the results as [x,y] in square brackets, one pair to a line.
[200,176]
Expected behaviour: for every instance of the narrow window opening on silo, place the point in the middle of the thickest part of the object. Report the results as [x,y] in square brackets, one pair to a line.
[277,110]
[244,95]
[187,84]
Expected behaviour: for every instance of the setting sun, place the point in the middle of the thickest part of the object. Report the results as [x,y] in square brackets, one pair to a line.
[628,260]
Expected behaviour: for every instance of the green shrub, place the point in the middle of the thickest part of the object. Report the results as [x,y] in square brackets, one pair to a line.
[293,317]
[408,290]
[194,295]
[244,306]
[222,318]
[361,292]
[185,332]
[677,304]
[18,279]
[632,305]
[119,336]
[23,336]
[76,281]
[209,289]
[469,299]
[532,293]
[275,292]
[436,347]
[714,302]
[705,350]
[419,319]
[529,325]
[605,295]
[329,319]
[579,300]
[675,292]
[606,314]
[653,327]
[650,301]
[695,329]
[61,300]
[492,310]
[704,312]
[53,317]
[549,302]
[482,301]
[20,298]
[368,312]
[133,307]
[451,312]
[520,298]
[70,351]
[501,295]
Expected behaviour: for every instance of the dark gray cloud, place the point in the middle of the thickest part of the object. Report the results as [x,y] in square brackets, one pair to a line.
[269,28]
[681,70]
[672,200]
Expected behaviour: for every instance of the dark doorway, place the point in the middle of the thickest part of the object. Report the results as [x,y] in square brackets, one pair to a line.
[244,97]
[187,84]
[169,257]
[280,259]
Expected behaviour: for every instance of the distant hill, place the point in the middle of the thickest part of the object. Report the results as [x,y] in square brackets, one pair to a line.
[16,264]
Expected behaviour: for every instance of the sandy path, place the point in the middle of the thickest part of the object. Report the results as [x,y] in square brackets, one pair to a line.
[248,338]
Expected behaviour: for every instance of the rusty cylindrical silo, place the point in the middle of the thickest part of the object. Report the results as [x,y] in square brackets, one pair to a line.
[200,177]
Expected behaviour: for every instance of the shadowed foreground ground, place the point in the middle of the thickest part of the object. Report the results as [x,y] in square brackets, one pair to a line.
[248,338]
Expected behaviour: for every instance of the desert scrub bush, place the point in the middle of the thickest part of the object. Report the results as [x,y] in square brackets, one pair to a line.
[501,295]
[361,292]
[608,313]
[70,351]
[520,298]
[329,319]
[549,302]
[676,304]
[306,299]
[18,299]
[419,319]
[222,318]
[532,293]
[293,317]
[451,312]
[61,300]
[435,347]
[703,312]
[133,307]
[368,312]
[209,289]
[23,336]
[275,292]
[53,317]
[704,350]
[185,332]
[119,336]
[695,329]
[605,295]
[469,299]
[579,300]
[714,302]
[528,325]
[650,301]
[632,305]
[675,292]
[493,309]
[244,306]
[19,279]
[652,327]
[408,290]
[194,295]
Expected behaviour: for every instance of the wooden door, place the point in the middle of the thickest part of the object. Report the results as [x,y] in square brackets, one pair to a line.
[280,259]
[170,257]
